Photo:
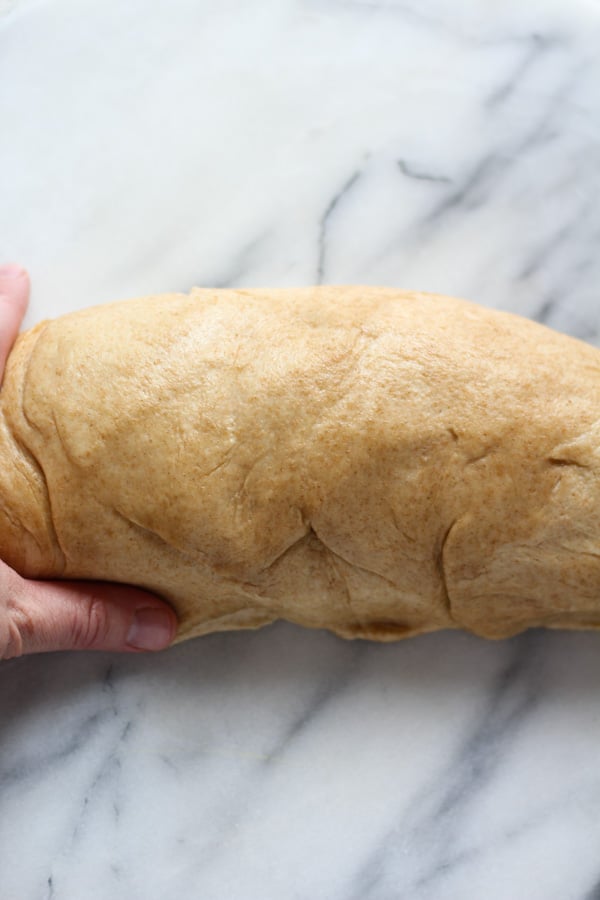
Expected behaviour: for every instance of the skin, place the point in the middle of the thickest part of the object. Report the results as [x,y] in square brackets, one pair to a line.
[41,616]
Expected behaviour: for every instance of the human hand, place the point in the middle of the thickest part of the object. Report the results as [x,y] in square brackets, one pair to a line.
[38,616]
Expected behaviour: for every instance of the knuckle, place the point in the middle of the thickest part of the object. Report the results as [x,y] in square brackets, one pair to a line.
[91,624]
[11,639]
[17,629]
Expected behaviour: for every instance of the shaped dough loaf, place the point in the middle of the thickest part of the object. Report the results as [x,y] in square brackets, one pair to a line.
[374,462]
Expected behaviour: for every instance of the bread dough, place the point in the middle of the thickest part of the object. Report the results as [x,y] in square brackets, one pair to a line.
[375,462]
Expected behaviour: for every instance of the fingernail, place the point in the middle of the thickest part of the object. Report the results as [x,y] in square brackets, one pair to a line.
[151,629]
[11,270]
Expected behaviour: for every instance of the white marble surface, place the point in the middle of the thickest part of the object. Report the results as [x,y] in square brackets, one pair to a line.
[451,146]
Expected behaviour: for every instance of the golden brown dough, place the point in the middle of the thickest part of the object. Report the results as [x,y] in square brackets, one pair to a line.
[375,462]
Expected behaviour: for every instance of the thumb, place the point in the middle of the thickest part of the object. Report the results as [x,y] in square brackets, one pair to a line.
[82,615]
[14,295]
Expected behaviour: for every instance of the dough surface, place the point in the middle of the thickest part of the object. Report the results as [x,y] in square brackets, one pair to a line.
[376,462]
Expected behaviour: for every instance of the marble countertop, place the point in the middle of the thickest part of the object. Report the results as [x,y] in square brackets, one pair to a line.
[452,147]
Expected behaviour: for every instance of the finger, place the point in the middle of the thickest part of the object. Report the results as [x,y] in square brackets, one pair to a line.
[82,615]
[14,296]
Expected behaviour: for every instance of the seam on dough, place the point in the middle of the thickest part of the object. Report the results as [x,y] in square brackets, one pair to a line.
[330,556]
[483,454]
[564,461]
[250,469]
[331,560]
[440,565]
[153,535]
[224,622]
[50,520]
[586,553]
[18,525]
[35,465]
[34,461]
[219,465]
[308,529]
[61,441]
[355,565]
[284,552]
[399,529]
